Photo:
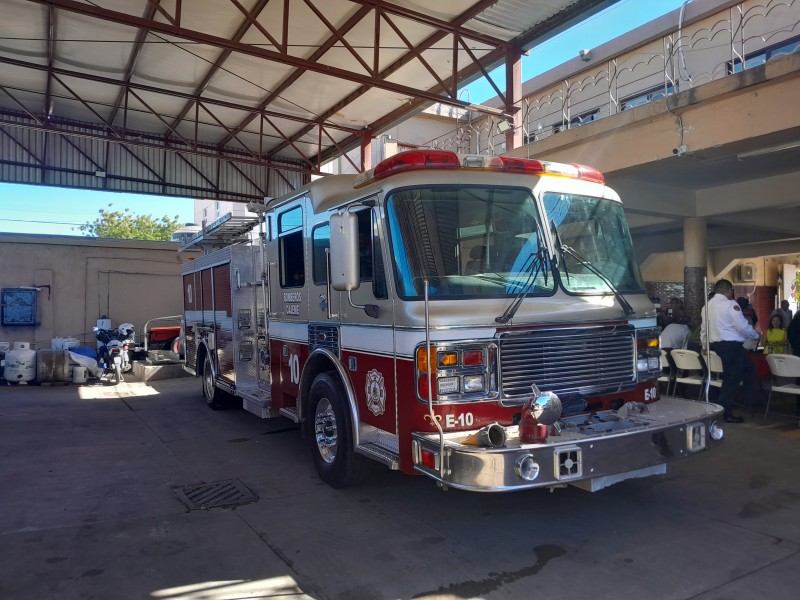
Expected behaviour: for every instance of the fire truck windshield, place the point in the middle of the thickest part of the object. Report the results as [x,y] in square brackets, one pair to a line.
[592,243]
[468,241]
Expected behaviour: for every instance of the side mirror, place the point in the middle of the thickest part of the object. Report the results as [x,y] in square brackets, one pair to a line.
[345,266]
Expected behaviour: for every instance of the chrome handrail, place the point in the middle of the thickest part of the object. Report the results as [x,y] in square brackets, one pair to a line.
[434,420]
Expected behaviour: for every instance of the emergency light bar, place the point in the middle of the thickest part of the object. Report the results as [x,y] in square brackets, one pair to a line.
[415,160]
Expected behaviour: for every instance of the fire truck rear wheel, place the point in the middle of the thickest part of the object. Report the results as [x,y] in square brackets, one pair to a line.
[332,435]
[215,397]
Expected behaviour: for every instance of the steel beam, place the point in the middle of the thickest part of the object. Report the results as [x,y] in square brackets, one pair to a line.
[152,6]
[476,9]
[160,91]
[282,58]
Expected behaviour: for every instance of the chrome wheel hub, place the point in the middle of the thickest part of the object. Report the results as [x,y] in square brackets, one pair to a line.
[325,430]
[208,383]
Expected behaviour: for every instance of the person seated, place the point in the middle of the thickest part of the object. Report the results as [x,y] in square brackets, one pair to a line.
[695,336]
[774,338]
[675,335]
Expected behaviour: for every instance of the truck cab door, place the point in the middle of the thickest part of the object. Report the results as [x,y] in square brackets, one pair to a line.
[323,311]
[289,284]
[366,332]
[369,302]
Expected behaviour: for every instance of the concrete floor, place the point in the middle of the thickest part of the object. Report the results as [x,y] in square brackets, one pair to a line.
[87,510]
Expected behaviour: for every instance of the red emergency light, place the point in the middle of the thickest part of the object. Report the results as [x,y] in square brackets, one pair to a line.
[415,160]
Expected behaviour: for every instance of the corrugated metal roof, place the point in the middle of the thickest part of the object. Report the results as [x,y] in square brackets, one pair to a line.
[232,99]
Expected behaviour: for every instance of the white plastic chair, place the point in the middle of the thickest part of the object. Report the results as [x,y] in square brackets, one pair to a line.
[783,365]
[714,363]
[667,376]
[690,369]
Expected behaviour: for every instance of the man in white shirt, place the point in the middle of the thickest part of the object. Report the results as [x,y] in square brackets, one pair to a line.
[728,329]
[675,335]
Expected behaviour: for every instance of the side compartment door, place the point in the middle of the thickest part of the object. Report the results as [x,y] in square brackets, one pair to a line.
[243,290]
[223,322]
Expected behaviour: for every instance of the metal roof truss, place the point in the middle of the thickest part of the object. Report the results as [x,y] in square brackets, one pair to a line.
[233,99]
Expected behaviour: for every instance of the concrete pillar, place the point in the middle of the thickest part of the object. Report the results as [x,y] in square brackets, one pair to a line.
[695,264]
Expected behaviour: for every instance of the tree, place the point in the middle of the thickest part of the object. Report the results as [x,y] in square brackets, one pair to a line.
[124,225]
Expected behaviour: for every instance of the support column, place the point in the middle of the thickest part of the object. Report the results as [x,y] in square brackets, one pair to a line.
[514,138]
[695,256]
[366,152]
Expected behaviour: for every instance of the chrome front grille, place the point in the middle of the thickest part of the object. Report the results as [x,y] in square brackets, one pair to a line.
[572,362]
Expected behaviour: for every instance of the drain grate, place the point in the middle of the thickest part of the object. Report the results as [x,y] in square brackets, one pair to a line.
[202,496]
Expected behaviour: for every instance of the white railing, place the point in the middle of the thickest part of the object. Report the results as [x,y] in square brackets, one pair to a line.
[741,37]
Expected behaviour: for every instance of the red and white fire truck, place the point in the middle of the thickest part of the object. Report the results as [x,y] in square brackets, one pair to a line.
[480,320]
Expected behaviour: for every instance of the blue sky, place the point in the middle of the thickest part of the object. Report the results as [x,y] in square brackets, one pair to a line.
[60,211]
[41,209]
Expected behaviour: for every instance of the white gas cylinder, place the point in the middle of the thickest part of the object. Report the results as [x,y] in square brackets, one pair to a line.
[20,363]
[78,374]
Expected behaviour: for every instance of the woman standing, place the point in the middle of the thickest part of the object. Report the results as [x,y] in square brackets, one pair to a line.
[774,339]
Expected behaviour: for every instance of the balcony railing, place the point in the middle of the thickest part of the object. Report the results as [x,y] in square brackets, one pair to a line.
[741,37]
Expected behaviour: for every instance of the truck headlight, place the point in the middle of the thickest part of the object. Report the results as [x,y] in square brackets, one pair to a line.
[474,383]
[447,385]
[459,372]
[648,353]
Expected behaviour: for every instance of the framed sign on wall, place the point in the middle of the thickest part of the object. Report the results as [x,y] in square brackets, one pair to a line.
[18,307]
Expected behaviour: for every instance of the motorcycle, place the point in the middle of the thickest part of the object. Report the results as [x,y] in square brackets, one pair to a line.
[113,355]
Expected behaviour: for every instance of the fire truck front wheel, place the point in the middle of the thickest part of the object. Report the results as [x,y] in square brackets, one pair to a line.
[332,435]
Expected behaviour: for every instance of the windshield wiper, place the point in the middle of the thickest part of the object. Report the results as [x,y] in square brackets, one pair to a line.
[627,309]
[534,264]
[559,244]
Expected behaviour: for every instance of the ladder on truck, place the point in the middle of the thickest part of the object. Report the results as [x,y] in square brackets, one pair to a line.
[225,231]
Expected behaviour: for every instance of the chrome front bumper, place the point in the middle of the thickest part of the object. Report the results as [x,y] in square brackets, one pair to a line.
[591,451]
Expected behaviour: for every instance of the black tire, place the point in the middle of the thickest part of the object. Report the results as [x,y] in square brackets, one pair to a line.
[331,435]
[117,373]
[215,397]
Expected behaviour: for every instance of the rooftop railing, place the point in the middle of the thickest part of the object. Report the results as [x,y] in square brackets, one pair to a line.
[738,38]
